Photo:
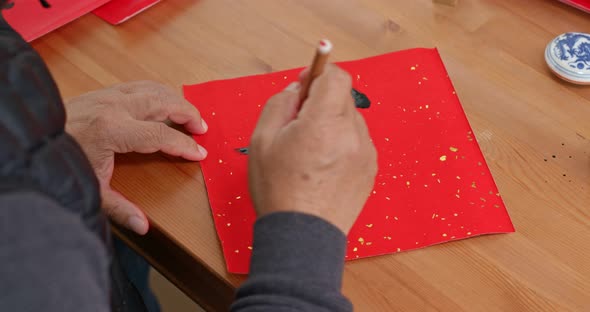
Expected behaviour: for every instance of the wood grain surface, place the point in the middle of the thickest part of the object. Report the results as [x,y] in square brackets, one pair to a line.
[532,127]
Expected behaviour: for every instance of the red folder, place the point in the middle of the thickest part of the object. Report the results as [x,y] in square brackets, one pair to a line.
[119,11]
[32,21]
[433,184]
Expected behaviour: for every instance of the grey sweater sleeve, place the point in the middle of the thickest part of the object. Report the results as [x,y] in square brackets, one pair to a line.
[49,260]
[297,265]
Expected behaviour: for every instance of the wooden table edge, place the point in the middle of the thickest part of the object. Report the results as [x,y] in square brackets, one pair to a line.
[194,278]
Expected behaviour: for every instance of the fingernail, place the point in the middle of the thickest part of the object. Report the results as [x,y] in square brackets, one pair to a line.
[202,150]
[293,87]
[136,224]
[204,125]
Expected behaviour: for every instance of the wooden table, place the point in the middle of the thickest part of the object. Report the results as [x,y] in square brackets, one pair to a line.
[493,50]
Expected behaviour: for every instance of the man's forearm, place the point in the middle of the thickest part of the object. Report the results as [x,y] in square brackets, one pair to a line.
[297,265]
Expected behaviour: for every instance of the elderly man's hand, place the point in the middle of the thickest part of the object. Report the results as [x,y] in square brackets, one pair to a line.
[129,118]
[319,161]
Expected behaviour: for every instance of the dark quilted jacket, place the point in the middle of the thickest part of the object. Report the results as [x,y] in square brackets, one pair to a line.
[36,154]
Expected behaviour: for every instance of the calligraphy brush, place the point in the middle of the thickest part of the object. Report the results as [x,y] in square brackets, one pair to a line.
[317,67]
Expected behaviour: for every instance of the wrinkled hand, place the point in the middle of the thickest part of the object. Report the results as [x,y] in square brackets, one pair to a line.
[129,118]
[318,161]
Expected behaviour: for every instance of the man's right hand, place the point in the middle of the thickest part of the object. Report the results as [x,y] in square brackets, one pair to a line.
[320,160]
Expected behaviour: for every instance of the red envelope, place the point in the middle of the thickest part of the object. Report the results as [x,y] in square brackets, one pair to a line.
[433,184]
[32,21]
[119,11]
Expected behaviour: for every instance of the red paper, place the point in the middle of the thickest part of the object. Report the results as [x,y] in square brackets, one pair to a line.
[119,11]
[583,5]
[433,184]
[32,21]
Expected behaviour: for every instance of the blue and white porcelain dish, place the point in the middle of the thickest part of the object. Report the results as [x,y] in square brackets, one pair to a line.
[568,56]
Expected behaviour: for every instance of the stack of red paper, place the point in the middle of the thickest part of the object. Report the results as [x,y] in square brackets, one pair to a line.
[32,21]
[118,11]
[583,5]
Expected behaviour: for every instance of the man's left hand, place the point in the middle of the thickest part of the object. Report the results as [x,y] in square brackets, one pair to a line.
[130,117]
